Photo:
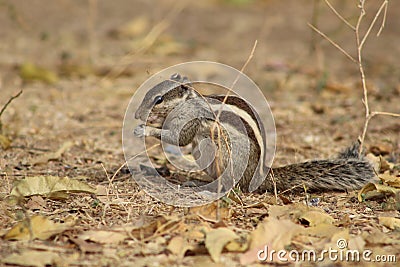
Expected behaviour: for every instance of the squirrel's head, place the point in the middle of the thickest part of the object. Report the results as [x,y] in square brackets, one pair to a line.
[163,98]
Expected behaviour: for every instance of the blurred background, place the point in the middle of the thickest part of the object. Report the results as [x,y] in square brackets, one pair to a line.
[79,62]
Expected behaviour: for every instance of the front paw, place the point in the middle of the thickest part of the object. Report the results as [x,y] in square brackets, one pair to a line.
[139,131]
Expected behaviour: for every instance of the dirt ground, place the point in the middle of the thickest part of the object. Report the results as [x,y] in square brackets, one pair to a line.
[78,64]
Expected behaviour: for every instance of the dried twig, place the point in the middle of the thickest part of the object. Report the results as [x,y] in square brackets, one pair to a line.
[9,102]
[360,41]
[360,45]
[6,105]
[383,19]
[333,43]
[384,4]
[339,16]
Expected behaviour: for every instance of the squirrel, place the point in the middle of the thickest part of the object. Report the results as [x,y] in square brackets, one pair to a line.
[227,139]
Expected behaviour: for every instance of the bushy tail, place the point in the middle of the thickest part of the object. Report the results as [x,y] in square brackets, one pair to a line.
[346,172]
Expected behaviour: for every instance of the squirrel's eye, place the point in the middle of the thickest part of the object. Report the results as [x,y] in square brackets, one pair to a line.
[158,99]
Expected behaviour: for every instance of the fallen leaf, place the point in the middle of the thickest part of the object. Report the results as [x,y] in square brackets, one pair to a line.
[216,240]
[31,72]
[272,233]
[86,246]
[356,243]
[322,230]
[390,222]
[36,203]
[37,227]
[314,218]
[103,236]
[178,246]
[381,149]
[375,161]
[34,258]
[131,29]
[209,212]
[49,185]
[373,189]
[238,245]
[148,226]
[339,239]
[81,70]
[337,87]
[385,165]
[5,142]
[389,179]
[197,232]
[376,237]
[42,159]
[277,211]
[102,193]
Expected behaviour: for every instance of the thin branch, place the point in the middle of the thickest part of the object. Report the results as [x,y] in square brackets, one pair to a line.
[369,117]
[384,4]
[374,113]
[339,16]
[333,43]
[360,44]
[383,19]
[245,64]
[9,102]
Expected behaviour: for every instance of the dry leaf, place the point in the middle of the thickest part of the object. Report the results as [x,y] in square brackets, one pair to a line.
[42,159]
[376,237]
[338,237]
[104,237]
[276,232]
[36,203]
[209,212]
[31,72]
[132,29]
[5,142]
[276,211]
[389,179]
[390,222]
[314,218]
[322,230]
[34,258]
[217,239]
[356,243]
[272,233]
[237,245]
[49,186]
[148,226]
[196,232]
[375,161]
[39,227]
[178,246]
[102,193]
[386,165]
[381,149]
[372,190]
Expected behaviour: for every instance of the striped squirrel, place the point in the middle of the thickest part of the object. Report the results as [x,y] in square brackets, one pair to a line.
[177,114]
